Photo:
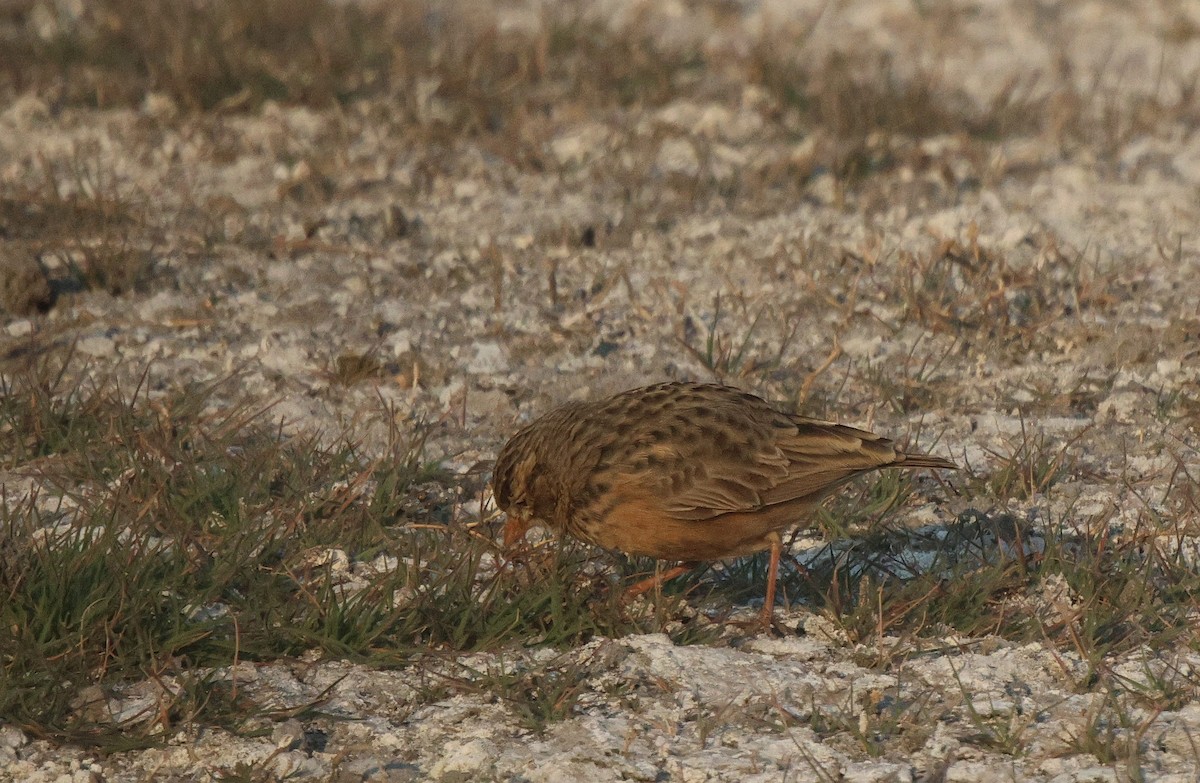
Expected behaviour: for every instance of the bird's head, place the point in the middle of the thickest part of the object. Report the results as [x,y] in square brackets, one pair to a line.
[513,478]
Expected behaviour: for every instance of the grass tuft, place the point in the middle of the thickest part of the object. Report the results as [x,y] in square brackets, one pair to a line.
[1097,593]
[81,230]
[170,535]
[1033,465]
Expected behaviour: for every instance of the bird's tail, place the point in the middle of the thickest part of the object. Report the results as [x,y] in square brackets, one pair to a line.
[924,461]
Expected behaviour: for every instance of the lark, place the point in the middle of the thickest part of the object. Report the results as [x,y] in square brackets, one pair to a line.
[682,472]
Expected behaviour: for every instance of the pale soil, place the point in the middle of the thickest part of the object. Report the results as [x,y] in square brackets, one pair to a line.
[282,255]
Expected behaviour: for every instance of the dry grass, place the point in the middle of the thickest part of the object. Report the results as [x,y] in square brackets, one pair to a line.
[82,229]
[193,539]
[451,69]
[168,537]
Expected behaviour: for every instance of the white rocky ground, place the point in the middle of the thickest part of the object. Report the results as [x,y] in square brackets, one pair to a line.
[489,310]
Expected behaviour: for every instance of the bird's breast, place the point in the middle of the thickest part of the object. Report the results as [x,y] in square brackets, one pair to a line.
[636,526]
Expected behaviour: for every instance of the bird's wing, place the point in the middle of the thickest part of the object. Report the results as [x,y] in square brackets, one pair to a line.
[763,468]
[823,456]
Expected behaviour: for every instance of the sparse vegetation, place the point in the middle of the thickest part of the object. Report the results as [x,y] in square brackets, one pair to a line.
[77,231]
[1033,464]
[815,216]
[190,535]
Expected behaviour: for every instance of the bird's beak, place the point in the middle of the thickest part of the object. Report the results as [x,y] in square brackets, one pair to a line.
[515,529]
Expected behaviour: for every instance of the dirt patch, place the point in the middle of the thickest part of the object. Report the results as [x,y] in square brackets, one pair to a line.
[249,252]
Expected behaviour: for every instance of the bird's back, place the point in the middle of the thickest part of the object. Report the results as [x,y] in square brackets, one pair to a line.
[681,468]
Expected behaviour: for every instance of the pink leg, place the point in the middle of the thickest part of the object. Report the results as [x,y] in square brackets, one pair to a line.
[656,580]
[768,610]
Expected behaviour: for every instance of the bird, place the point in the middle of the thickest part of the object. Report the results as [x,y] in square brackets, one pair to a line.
[682,471]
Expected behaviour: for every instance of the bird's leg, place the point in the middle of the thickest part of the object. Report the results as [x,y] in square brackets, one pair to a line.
[768,610]
[652,582]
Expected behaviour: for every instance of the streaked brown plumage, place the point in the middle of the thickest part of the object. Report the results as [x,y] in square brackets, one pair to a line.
[682,471]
